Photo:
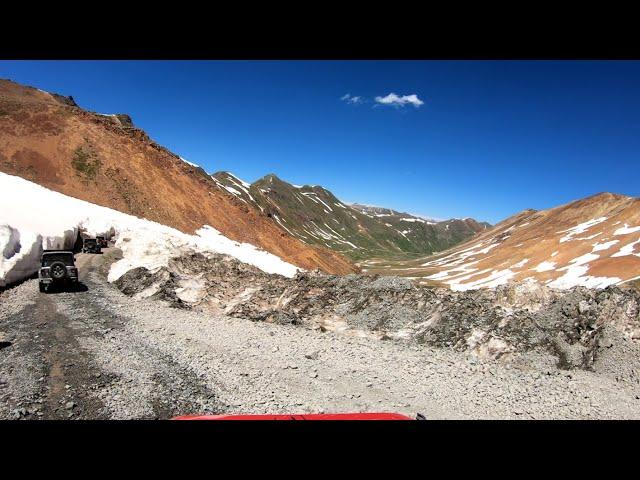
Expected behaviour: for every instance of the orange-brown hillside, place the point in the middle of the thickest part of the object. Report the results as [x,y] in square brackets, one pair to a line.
[48,139]
[592,242]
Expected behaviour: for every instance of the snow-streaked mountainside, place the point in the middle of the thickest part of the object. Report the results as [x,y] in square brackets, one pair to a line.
[314,215]
[593,242]
[34,218]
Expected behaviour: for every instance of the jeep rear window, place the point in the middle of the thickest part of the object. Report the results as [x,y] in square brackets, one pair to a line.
[90,241]
[49,258]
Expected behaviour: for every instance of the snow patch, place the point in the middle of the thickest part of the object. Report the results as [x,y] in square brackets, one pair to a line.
[604,246]
[188,162]
[496,278]
[521,263]
[545,266]
[439,276]
[626,230]
[417,220]
[627,250]
[242,182]
[575,275]
[580,228]
[232,190]
[319,199]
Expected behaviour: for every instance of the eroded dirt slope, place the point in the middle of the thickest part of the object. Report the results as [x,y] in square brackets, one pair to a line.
[104,159]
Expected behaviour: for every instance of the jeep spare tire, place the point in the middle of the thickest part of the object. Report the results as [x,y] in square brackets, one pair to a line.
[58,270]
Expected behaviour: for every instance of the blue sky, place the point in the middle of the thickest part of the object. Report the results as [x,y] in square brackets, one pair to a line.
[489,139]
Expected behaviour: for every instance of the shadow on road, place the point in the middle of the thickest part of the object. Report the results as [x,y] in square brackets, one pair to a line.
[33,276]
[73,288]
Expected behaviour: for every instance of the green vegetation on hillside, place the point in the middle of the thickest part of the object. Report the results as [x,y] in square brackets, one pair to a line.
[315,216]
[86,163]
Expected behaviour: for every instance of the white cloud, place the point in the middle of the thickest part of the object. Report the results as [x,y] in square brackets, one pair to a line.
[400,101]
[355,100]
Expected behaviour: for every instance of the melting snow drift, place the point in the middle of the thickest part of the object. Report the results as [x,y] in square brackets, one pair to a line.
[33,218]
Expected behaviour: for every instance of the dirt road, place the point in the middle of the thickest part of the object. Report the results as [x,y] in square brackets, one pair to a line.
[97,354]
[51,368]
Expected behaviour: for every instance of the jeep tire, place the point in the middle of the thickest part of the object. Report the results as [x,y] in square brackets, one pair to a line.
[58,271]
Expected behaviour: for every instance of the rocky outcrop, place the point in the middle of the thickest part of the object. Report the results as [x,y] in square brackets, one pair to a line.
[519,322]
[124,119]
[69,101]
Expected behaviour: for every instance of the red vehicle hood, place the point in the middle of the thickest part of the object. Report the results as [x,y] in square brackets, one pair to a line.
[305,416]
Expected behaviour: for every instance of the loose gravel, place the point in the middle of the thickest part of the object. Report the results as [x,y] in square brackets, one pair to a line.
[142,358]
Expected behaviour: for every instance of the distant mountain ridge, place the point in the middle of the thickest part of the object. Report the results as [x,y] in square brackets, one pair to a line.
[375,209]
[314,215]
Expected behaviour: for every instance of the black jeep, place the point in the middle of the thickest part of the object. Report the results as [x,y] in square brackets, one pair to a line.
[57,268]
[91,245]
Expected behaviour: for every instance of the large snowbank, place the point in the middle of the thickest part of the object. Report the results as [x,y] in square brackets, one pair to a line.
[33,218]
[20,254]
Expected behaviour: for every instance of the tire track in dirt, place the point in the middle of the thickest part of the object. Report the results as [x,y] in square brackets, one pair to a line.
[54,366]
[142,381]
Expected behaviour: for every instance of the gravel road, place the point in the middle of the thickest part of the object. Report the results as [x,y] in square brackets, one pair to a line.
[96,353]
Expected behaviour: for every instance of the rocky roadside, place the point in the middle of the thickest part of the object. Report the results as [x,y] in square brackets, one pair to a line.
[262,367]
[523,323]
[126,357]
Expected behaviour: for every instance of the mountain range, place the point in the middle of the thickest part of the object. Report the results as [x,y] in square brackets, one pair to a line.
[105,159]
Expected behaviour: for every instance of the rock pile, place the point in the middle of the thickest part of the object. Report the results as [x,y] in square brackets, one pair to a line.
[522,322]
